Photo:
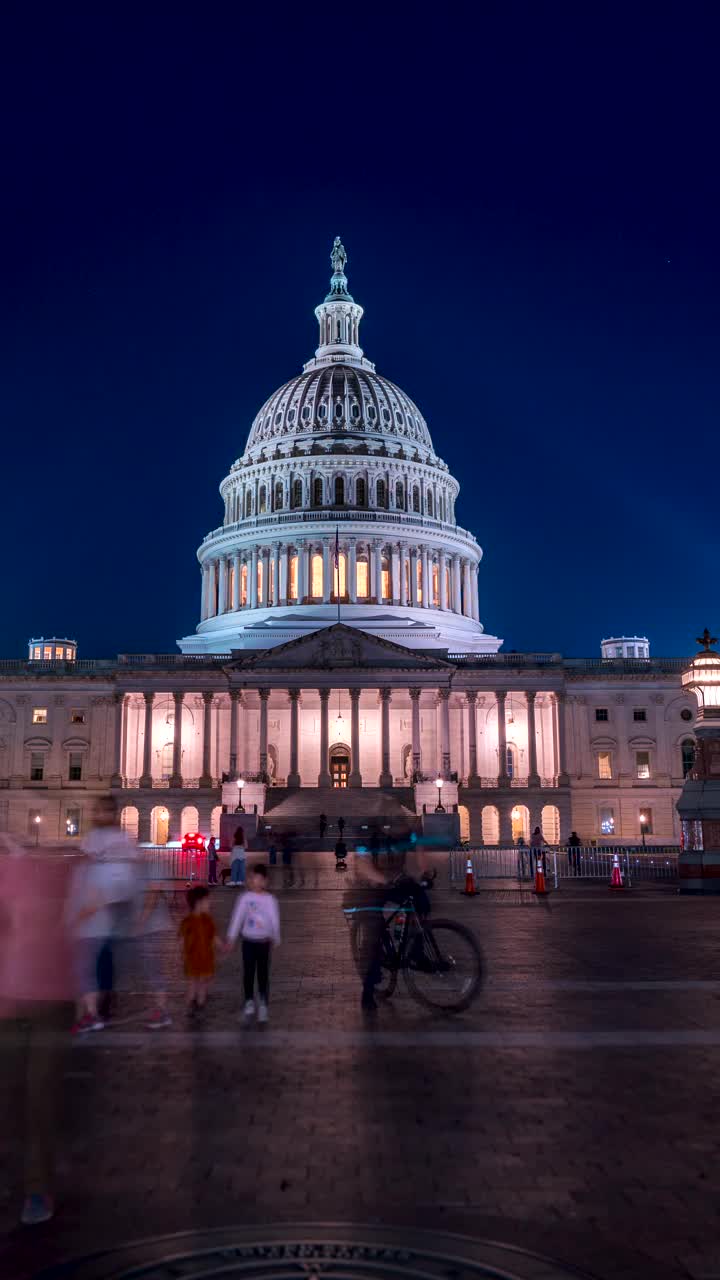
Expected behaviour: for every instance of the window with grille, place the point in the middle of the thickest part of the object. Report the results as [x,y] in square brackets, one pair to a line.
[75,767]
[688,756]
[317,492]
[72,822]
[639,713]
[604,761]
[607,822]
[399,497]
[381,495]
[361,493]
[37,766]
[416,499]
[297,493]
[642,764]
[39,715]
[339,491]
[601,713]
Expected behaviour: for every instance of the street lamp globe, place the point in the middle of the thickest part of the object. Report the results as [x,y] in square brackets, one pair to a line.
[702,678]
[240,785]
[439,808]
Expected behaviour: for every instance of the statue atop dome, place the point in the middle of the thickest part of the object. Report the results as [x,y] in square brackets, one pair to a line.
[338,257]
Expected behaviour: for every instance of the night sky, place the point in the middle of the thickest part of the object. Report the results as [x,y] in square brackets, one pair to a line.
[529,200]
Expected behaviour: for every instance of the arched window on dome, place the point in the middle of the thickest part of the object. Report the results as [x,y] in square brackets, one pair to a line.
[278,496]
[385,581]
[260,581]
[293,576]
[416,499]
[248,502]
[360,492]
[419,584]
[340,577]
[362,577]
[440,506]
[262,499]
[297,493]
[687,748]
[429,502]
[399,496]
[316,576]
[243,585]
[381,494]
[317,491]
[339,491]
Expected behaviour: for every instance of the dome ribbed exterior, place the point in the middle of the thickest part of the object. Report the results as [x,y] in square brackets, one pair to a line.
[340,399]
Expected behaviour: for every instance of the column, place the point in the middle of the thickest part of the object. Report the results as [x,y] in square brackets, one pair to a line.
[533,776]
[466,603]
[376,563]
[275,577]
[146,776]
[302,570]
[385,779]
[176,776]
[264,695]
[352,571]
[416,746]
[471,696]
[324,778]
[559,702]
[222,586]
[252,584]
[266,576]
[119,705]
[355,779]
[426,579]
[403,557]
[293,778]
[235,703]
[395,558]
[444,696]
[236,582]
[474,593]
[456,597]
[328,574]
[442,565]
[210,599]
[502,738]
[206,776]
[413,577]
[204,576]
[283,575]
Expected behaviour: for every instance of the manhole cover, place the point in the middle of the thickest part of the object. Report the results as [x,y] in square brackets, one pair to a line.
[314,1252]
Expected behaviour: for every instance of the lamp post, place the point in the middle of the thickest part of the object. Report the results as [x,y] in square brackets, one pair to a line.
[643,829]
[240,784]
[699,802]
[37,820]
[439,807]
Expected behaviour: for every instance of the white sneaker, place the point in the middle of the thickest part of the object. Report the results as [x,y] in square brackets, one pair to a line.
[249,1010]
[263,1014]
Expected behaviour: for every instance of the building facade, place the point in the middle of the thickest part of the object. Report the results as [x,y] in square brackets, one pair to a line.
[340,645]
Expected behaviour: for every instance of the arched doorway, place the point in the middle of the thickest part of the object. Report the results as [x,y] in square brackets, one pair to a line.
[490,825]
[464,817]
[340,765]
[130,820]
[551,824]
[520,817]
[189,820]
[159,822]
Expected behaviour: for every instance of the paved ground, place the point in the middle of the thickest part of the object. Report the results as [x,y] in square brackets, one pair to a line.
[572,1110]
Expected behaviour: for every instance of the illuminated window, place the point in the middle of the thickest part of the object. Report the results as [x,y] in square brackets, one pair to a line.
[293,583]
[36,651]
[381,494]
[69,655]
[37,766]
[688,756]
[47,652]
[407,578]
[510,761]
[399,496]
[59,652]
[316,576]
[607,822]
[601,713]
[75,767]
[645,821]
[435,585]
[317,492]
[361,493]
[243,584]
[77,716]
[39,715]
[271,583]
[642,764]
[385,578]
[340,573]
[72,822]
[604,762]
[363,579]
[339,491]
[419,580]
[260,568]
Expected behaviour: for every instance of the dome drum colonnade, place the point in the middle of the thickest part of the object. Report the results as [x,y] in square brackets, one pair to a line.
[339,497]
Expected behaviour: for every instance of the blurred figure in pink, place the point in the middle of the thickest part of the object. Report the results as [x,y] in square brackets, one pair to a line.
[36,992]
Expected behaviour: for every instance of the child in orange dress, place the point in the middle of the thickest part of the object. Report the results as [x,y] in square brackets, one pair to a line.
[199,944]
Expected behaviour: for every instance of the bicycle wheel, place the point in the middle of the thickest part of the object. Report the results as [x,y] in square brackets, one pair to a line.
[362,940]
[444,966]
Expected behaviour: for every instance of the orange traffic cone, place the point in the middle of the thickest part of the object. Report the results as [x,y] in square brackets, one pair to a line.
[469,879]
[616,880]
[540,886]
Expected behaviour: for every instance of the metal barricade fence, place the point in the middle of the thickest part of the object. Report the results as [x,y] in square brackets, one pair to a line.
[161,863]
[585,863]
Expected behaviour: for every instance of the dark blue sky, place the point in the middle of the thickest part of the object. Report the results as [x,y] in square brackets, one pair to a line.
[529,199]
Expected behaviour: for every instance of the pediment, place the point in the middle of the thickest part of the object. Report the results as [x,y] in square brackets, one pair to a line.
[337,647]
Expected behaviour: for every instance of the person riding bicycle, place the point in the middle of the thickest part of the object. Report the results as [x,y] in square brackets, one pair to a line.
[366,899]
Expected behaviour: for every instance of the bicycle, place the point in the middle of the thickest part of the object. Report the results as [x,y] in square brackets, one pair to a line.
[442,961]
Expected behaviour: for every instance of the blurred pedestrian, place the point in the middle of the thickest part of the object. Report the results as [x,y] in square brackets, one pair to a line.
[523,856]
[212,854]
[574,845]
[341,826]
[199,944]
[237,857]
[37,985]
[256,920]
[536,848]
[323,826]
[340,855]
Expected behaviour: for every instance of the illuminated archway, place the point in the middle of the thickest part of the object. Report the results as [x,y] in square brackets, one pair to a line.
[490,825]
[159,824]
[551,824]
[520,817]
[130,820]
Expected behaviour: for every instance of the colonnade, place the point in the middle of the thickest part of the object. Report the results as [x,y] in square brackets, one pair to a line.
[442,766]
[367,572]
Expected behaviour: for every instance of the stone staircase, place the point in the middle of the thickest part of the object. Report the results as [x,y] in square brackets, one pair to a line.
[296,811]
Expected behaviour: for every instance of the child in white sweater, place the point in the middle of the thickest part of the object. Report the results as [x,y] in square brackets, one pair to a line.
[256,921]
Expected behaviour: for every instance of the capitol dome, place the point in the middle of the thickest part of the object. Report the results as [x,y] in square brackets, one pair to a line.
[339,505]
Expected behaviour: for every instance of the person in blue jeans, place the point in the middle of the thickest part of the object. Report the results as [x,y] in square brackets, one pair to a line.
[237,858]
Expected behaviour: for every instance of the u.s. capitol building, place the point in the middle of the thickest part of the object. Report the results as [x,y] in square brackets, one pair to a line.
[340,646]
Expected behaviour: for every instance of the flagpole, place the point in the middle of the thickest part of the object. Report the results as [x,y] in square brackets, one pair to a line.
[337,567]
